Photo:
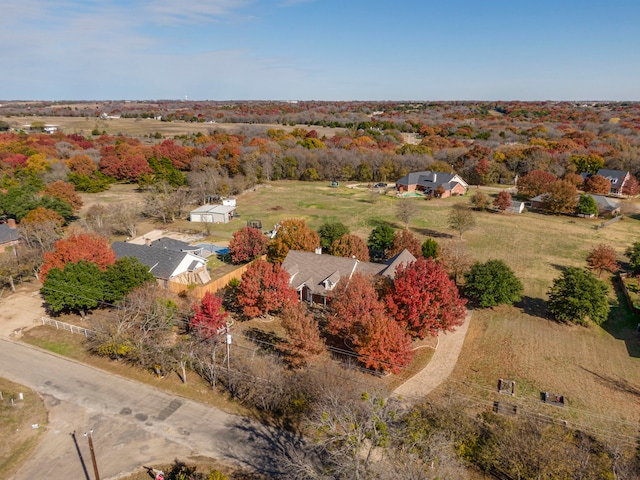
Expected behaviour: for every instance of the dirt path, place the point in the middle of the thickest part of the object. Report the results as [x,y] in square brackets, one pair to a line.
[440,367]
[20,309]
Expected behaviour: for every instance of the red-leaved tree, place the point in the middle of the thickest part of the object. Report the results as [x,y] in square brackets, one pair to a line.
[208,316]
[247,244]
[304,339]
[354,302]
[424,300]
[264,289]
[127,168]
[597,184]
[503,200]
[405,239]
[631,187]
[83,246]
[349,246]
[603,258]
[384,345]
[535,183]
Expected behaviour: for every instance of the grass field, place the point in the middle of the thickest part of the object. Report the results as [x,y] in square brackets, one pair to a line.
[597,369]
[17,417]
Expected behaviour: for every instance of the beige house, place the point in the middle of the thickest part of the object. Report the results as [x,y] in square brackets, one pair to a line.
[315,275]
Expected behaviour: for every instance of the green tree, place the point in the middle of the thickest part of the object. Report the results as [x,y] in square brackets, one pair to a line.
[492,283]
[380,241]
[634,257]
[123,276]
[430,248]
[79,287]
[586,205]
[578,296]
[330,232]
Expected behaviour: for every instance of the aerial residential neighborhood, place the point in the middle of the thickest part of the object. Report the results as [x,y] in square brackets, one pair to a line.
[225,267]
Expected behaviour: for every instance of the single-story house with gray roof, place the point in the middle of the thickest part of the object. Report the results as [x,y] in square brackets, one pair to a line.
[165,264]
[315,275]
[606,206]
[9,234]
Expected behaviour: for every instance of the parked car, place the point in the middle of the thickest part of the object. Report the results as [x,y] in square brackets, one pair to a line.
[380,185]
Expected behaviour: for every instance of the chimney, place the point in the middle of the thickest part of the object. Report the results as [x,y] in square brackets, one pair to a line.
[11,222]
[147,242]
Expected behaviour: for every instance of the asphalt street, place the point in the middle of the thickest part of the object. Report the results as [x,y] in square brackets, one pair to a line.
[133,424]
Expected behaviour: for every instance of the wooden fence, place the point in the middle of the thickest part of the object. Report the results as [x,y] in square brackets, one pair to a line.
[198,291]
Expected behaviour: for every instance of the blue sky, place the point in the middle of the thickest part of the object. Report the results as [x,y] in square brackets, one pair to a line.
[320,49]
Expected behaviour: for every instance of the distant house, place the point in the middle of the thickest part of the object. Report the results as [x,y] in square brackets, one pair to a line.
[606,205]
[618,179]
[315,275]
[539,202]
[9,234]
[515,207]
[213,213]
[429,183]
[166,264]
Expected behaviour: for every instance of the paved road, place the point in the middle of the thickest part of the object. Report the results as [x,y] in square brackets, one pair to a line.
[441,365]
[133,424]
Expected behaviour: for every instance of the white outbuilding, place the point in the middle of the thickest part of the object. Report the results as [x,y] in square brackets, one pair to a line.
[213,214]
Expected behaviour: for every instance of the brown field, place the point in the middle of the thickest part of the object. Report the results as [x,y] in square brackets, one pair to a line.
[141,127]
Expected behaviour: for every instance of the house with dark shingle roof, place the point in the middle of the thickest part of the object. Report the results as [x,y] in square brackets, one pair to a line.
[618,179]
[431,183]
[315,275]
[9,234]
[165,264]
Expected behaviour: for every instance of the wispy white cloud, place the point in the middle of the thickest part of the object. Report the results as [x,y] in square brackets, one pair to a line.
[293,3]
[176,12]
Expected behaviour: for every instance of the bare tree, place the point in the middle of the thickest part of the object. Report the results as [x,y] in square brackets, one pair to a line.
[406,209]
[455,258]
[125,219]
[461,218]
[98,219]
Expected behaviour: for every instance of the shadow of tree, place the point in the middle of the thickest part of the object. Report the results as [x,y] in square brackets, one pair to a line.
[536,307]
[618,383]
[431,233]
[276,453]
[622,323]
[267,341]
[560,268]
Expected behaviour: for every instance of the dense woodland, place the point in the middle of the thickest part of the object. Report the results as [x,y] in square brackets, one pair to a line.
[483,142]
[357,435]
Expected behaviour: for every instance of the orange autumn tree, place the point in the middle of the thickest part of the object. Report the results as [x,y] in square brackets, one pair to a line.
[66,192]
[84,246]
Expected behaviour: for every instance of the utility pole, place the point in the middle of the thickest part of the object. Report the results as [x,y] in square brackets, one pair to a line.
[228,342]
[93,454]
